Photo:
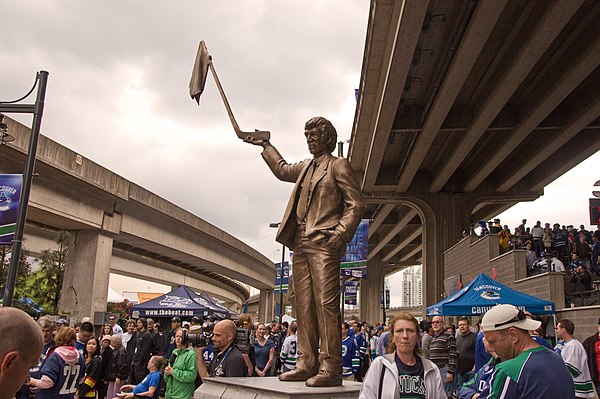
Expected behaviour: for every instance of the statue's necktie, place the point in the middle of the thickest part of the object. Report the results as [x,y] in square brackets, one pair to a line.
[303,201]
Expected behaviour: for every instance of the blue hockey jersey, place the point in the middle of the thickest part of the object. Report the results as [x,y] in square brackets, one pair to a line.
[66,368]
[350,357]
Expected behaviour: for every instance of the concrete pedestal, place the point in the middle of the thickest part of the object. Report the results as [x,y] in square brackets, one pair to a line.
[271,388]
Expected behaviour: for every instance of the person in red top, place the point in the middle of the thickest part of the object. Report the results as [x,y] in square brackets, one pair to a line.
[592,348]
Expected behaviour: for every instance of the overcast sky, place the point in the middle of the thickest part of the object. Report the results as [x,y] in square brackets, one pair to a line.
[118,95]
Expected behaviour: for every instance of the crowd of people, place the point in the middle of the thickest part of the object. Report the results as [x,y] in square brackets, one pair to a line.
[142,361]
[505,355]
[556,248]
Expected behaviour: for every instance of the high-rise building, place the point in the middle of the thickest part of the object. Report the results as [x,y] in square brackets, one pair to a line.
[412,287]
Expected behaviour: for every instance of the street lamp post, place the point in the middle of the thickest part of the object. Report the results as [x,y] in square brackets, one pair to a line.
[37,110]
[276,225]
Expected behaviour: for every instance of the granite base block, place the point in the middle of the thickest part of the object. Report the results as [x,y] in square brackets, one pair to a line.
[271,388]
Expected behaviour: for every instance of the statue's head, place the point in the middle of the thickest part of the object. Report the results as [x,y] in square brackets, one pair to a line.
[327,132]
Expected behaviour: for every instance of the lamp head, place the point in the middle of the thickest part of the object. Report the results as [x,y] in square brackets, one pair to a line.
[4,136]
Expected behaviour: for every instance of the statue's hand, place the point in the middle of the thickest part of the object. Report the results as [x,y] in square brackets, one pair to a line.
[255,141]
[334,240]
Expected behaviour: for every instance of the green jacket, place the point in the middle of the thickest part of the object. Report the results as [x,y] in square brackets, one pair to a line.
[180,384]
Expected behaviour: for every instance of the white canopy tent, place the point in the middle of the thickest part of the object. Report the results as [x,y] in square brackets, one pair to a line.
[114,297]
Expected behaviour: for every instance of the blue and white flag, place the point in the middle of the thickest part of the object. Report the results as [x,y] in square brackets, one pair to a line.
[10,194]
[286,276]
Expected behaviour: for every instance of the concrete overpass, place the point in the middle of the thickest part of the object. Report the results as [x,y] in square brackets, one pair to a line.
[466,108]
[118,226]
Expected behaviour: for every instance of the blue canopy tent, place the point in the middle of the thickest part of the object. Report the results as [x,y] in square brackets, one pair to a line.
[180,302]
[483,293]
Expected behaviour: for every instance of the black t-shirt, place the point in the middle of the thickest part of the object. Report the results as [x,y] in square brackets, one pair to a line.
[411,379]
[229,363]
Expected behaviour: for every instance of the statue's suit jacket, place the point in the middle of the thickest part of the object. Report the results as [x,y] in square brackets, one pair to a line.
[336,202]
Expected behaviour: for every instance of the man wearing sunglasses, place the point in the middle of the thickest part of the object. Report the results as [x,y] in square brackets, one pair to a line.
[112,322]
[442,351]
[528,370]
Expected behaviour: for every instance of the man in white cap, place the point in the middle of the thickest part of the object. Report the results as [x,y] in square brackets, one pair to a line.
[528,370]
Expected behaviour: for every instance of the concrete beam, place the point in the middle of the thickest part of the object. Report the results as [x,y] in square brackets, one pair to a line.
[583,146]
[475,36]
[584,115]
[411,253]
[407,19]
[383,213]
[578,71]
[416,233]
[127,264]
[543,35]
[74,193]
[410,215]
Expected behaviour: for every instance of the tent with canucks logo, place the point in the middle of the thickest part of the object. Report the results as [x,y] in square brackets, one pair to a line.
[481,294]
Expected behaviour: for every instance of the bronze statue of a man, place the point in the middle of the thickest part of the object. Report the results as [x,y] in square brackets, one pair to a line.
[321,217]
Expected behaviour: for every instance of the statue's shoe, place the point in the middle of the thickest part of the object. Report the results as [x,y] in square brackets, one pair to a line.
[297,375]
[324,379]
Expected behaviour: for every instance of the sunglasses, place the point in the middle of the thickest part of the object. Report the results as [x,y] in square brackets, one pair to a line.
[520,316]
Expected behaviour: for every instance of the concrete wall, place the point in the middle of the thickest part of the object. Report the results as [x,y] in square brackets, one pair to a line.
[547,286]
[471,256]
[585,319]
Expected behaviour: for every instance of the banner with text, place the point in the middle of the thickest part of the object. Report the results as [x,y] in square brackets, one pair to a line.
[354,262]
[350,293]
[286,276]
[10,194]
[384,301]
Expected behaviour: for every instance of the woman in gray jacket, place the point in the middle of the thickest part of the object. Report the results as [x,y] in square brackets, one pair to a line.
[403,372]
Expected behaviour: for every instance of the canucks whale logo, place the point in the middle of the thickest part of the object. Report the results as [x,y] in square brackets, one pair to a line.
[5,201]
[172,301]
[490,294]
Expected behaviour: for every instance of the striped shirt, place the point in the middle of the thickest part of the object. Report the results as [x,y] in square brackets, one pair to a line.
[442,351]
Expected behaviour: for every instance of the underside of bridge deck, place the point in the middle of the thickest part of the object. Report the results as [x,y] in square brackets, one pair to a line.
[483,101]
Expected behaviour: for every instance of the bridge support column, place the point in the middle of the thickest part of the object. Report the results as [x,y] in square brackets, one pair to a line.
[370,291]
[87,270]
[266,310]
[441,229]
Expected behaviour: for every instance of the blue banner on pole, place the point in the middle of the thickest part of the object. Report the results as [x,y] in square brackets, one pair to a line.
[286,276]
[10,195]
[387,299]
[350,293]
[354,262]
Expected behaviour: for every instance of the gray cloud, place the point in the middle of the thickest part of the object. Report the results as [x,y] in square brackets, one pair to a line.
[117,93]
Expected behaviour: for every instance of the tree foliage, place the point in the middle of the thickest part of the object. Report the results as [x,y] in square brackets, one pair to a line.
[45,284]
[23,274]
[122,309]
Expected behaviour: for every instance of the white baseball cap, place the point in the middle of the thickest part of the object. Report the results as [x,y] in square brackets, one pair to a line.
[501,317]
